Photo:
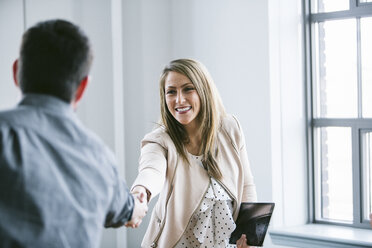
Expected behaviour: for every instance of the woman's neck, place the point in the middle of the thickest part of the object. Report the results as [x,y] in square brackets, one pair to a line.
[195,137]
[193,146]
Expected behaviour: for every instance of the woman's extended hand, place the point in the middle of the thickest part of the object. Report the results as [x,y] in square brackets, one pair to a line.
[139,211]
[242,242]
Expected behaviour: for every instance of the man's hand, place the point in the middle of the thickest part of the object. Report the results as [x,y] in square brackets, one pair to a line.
[139,211]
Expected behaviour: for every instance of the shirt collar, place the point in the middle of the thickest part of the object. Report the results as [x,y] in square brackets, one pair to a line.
[47,102]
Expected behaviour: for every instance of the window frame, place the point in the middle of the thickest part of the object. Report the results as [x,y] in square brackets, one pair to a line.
[358,125]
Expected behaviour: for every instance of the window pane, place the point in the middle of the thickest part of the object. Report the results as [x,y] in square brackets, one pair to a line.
[320,6]
[366,53]
[367,174]
[336,69]
[365,1]
[334,173]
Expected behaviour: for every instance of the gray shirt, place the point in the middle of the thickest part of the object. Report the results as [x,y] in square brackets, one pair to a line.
[59,185]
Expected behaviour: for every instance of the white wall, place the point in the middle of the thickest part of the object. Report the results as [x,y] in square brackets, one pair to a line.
[224,35]
[10,12]
[253,50]
[147,41]
[231,38]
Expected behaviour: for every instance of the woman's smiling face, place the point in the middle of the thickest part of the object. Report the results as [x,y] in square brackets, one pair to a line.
[182,99]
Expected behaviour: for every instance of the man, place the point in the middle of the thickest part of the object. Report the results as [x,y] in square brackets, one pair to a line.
[58,182]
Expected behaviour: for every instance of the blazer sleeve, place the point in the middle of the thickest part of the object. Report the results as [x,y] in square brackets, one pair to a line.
[249,187]
[152,166]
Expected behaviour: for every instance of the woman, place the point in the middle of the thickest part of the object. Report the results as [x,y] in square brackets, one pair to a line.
[196,160]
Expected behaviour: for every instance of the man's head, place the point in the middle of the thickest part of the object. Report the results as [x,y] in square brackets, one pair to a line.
[55,59]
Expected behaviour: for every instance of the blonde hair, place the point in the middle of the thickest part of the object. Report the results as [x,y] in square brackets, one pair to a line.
[210,115]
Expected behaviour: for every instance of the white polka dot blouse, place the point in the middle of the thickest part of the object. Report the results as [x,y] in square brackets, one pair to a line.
[212,224]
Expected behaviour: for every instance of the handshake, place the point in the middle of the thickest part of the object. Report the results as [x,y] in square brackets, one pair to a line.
[141,197]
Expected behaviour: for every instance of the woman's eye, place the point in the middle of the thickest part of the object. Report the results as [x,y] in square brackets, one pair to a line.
[189,88]
[170,92]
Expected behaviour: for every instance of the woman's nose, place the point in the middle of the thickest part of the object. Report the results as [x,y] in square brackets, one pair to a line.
[180,98]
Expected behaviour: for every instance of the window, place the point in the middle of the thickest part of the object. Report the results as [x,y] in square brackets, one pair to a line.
[341,110]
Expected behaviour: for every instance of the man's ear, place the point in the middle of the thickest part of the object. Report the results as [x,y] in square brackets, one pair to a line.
[15,72]
[80,91]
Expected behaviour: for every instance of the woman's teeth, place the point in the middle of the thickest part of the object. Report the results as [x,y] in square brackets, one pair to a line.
[183,109]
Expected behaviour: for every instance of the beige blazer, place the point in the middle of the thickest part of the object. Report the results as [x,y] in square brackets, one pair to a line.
[182,186]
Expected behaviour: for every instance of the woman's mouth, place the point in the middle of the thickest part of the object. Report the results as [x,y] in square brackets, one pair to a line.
[183,109]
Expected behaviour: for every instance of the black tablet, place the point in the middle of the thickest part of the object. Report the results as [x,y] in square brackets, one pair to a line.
[253,221]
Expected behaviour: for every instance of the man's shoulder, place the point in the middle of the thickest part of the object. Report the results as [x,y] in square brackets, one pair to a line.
[51,126]
[64,133]
[14,116]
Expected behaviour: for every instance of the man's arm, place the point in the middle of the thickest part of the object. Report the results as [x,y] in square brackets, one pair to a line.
[122,206]
[125,208]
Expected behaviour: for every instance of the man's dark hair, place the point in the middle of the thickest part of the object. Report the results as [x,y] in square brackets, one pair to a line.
[55,56]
